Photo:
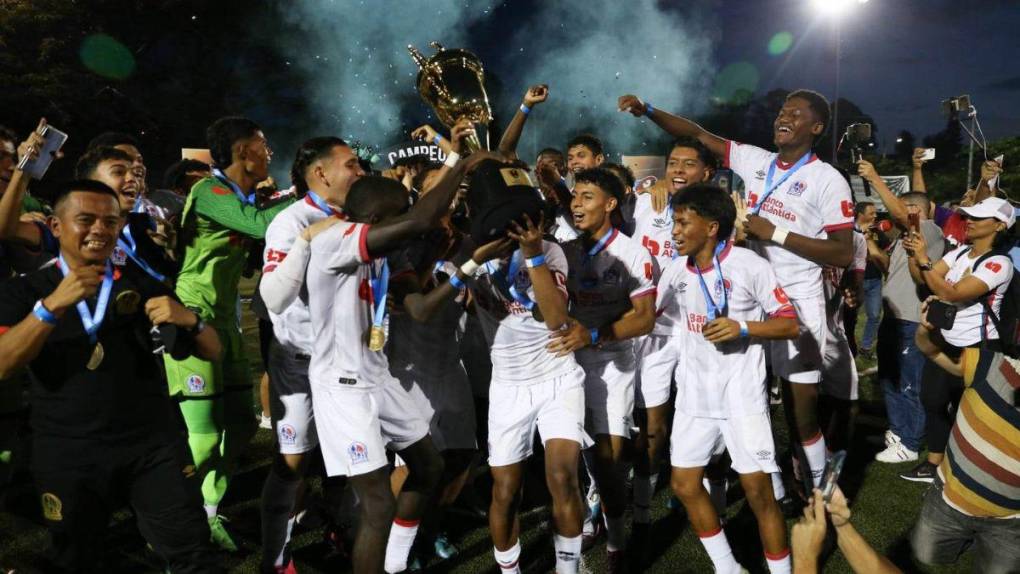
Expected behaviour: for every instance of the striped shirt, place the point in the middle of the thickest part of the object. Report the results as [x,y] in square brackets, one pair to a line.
[981,469]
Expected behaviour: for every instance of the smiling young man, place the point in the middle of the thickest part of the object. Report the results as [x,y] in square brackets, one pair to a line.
[800,218]
[102,430]
[612,287]
[323,171]
[729,301]
[219,220]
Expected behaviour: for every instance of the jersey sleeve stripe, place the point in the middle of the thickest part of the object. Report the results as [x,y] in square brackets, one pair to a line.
[638,293]
[269,268]
[838,226]
[786,311]
[363,244]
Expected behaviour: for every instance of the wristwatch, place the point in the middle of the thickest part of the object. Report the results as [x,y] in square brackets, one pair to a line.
[199,323]
[925,266]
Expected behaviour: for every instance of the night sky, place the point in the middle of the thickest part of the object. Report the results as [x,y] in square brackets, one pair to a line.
[899,58]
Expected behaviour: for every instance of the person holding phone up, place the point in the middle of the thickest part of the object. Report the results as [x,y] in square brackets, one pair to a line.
[961,279]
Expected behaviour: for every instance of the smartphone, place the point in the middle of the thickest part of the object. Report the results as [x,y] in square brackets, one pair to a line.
[941,314]
[929,154]
[914,219]
[830,476]
[53,140]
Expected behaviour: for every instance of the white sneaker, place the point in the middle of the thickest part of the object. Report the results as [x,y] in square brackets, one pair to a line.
[896,452]
[265,422]
[891,438]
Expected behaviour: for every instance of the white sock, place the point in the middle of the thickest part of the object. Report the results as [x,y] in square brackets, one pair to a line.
[778,488]
[717,492]
[779,563]
[277,503]
[210,510]
[644,486]
[719,551]
[509,560]
[402,534]
[814,450]
[616,535]
[568,553]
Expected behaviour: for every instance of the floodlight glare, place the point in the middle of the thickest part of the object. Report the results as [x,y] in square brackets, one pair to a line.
[834,7]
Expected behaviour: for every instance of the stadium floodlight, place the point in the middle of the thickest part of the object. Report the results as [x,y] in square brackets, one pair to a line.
[834,7]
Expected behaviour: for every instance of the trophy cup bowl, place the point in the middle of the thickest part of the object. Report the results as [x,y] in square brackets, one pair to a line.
[452,82]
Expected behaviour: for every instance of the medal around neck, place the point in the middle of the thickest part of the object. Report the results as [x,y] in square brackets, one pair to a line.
[97,357]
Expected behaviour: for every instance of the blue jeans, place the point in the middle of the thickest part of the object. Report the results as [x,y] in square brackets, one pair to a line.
[899,369]
[873,309]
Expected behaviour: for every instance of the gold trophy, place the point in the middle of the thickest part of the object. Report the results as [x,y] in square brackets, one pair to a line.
[453,83]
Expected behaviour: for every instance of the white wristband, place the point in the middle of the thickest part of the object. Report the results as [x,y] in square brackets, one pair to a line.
[779,235]
[469,267]
[451,159]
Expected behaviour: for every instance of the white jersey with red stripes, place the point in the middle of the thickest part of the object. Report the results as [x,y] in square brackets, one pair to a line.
[728,379]
[601,286]
[293,327]
[813,201]
[519,339]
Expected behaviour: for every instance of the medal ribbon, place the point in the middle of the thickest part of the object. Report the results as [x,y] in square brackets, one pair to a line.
[248,199]
[509,285]
[129,245]
[89,321]
[713,309]
[770,187]
[320,203]
[380,285]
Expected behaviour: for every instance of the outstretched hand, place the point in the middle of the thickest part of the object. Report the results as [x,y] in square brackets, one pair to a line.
[528,237]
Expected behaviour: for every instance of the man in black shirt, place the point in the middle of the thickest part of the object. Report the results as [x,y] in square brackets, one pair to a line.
[100,410]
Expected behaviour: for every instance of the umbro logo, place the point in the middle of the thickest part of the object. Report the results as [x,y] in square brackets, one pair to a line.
[760,174]
[764,455]
[681,287]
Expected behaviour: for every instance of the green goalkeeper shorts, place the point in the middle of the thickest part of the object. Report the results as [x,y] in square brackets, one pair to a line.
[195,377]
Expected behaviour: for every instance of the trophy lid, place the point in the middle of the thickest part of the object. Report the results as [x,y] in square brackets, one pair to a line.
[452,81]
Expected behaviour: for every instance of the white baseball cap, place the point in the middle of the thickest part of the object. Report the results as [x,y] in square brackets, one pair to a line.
[992,207]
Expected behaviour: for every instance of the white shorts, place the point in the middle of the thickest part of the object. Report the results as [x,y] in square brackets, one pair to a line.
[447,403]
[839,370]
[608,391]
[748,439]
[290,399]
[800,360]
[656,359]
[554,407]
[356,426]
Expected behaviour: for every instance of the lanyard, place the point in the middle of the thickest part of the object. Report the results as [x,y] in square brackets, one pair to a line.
[770,187]
[248,199]
[598,247]
[127,243]
[137,207]
[380,286]
[320,203]
[509,285]
[89,321]
[713,309]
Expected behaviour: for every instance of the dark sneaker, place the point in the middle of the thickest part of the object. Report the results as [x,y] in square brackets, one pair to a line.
[924,472]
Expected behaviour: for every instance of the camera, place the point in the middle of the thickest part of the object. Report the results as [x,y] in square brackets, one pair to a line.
[857,136]
[953,106]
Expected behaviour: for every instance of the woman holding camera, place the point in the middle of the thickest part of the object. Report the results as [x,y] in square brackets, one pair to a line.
[963,281]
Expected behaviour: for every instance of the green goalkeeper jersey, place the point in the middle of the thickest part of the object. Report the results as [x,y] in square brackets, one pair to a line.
[218,230]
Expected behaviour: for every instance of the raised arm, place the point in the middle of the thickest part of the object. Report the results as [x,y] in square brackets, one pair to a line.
[11,226]
[550,292]
[675,126]
[534,96]
[897,209]
[917,175]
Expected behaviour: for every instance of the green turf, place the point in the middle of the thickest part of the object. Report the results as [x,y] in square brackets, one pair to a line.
[884,508]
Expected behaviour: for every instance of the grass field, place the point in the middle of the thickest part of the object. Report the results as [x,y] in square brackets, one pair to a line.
[884,508]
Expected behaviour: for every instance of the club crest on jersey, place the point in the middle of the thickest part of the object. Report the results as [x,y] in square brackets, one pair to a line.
[118,257]
[797,189]
[196,384]
[287,434]
[719,287]
[358,453]
[53,508]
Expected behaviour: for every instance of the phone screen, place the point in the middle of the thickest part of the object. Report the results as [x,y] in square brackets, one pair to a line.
[53,140]
[830,477]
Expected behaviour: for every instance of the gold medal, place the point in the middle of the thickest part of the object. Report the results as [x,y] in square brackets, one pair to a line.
[97,357]
[376,339]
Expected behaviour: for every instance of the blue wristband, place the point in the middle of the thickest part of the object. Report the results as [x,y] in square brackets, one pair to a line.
[43,313]
[525,109]
[594,332]
[649,109]
[536,261]
[743,330]
[456,282]
[437,139]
